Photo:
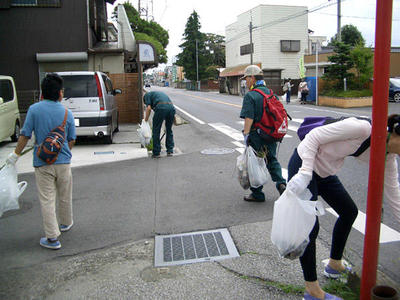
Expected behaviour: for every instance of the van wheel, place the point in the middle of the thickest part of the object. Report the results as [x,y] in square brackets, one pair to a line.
[108,139]
[17,130]
[396,97]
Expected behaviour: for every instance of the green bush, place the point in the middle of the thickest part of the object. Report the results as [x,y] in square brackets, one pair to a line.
[348,93]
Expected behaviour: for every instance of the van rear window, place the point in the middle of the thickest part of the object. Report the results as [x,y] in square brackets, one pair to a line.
[78,86]
[6,90]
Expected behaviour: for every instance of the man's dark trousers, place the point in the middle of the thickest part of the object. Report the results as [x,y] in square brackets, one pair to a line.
[163,112]
[273,165]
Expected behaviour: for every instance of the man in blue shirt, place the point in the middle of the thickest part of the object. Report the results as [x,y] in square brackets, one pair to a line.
[55,180]
[252,110]
[163,110]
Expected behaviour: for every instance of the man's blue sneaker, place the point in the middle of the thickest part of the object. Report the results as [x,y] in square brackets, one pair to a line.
[307,296]
[50,243]
[65,227]
[332,273]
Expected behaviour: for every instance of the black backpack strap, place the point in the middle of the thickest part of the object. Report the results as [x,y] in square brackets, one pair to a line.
[364,146]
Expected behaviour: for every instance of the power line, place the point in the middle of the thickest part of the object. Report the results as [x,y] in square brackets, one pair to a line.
[290,17]
[353,17]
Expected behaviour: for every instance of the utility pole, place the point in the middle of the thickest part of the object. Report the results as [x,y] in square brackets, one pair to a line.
[251,42]
[251,27]
[197,66]
[339,38]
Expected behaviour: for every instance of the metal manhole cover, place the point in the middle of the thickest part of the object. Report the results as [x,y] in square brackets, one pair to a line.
[193,247]
[213,151]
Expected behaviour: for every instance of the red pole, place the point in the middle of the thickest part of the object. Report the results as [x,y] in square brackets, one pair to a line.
[378,145]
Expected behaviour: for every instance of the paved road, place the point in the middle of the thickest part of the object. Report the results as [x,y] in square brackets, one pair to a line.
[219,112]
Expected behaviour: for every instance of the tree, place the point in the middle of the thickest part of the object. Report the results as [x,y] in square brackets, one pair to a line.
[187,58]
[362,59]
[341,64]
[350,35]
[216,46]
[148,31]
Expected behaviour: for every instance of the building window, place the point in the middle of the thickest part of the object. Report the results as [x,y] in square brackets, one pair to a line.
[39,3]
[246,49]
[290,46]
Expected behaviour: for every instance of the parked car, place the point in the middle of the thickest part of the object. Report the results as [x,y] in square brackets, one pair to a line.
[394,89]
[10,120]
[91,98]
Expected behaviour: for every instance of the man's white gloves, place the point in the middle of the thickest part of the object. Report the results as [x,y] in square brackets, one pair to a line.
[12,158]
[299,182]
[245,138]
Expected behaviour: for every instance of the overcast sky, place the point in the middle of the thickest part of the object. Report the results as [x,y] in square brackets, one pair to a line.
[215,15]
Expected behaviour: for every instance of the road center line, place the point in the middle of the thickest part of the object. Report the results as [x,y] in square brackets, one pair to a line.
[189,115]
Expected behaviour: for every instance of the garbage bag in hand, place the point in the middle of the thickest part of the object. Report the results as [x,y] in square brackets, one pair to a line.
[10,189]
[293,219]
[258,173]
[144,132]
[242,172]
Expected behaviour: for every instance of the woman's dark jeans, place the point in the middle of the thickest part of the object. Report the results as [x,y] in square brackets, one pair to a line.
[333,192]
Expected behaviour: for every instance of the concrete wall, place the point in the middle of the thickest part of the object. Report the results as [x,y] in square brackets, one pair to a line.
[107,63]
[266,38]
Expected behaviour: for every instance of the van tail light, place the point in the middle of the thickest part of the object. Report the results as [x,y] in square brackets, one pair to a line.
[99,92]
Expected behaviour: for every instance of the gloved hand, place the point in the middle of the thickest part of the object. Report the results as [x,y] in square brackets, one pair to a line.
[299,182]
[12,158]
[245,139]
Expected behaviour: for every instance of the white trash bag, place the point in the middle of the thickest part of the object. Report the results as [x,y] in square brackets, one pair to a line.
[258,173]
[10,189]
[144,132]
[294,218]
[242,171]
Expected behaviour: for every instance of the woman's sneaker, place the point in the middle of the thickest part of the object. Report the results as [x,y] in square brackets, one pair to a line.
[332,273]
[307,296]
[50,243]
[65,227]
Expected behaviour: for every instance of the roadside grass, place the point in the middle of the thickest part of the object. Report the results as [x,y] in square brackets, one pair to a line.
[341,288]
[347,94]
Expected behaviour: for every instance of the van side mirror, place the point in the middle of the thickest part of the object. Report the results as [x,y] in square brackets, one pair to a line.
[117,91]
[1,100]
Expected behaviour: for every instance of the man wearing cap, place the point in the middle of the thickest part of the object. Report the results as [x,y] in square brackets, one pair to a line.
[252,108]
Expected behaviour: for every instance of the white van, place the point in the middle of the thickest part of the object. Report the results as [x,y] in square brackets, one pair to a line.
[10,120]
[91,98]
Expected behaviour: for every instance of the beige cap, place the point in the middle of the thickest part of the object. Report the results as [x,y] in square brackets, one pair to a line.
[252,70]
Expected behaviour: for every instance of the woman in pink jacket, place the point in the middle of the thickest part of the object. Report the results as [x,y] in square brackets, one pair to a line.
[314,164]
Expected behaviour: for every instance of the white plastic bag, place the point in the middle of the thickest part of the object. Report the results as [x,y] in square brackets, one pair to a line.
[10,189]
[293,219]
[242,172]
[284,97]
[144,132]
[258,173]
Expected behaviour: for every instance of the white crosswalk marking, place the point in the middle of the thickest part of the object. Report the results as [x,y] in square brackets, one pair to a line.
[229,131]
[387,234]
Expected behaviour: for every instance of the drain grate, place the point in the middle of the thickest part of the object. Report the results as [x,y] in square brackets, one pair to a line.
[193,247]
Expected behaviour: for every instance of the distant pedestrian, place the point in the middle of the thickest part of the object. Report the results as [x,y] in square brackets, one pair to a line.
[288,88]
[314,165]
[243,87]
[53,181]
[164,110]
[303,88]
[251,112]
[228,85]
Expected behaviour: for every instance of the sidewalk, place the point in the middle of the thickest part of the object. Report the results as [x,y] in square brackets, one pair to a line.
[125,146]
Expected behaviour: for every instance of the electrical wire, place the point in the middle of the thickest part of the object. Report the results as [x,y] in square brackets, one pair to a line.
[286,18]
